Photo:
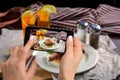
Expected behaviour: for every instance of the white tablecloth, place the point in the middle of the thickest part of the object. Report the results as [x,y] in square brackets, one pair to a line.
[107,68]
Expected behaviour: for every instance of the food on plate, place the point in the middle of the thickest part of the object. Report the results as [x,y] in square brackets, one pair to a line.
[36,46]
[49,42]
[57,61]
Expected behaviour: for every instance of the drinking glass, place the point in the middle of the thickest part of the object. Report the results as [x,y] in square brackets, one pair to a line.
[43,19]
[38,35]
[27,19]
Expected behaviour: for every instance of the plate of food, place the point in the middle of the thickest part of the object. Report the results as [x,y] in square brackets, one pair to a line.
[89,60]
[48,44]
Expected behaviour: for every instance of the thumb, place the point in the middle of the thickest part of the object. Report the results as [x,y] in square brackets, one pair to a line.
[69,44]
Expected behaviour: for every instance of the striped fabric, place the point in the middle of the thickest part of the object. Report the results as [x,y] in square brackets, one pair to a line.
[10,18]
[108,17]
[69,16]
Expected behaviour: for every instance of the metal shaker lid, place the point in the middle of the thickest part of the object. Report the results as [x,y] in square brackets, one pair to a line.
[82,24]
[95,28]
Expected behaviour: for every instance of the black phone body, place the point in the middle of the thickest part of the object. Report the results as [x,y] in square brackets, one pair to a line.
[46,39]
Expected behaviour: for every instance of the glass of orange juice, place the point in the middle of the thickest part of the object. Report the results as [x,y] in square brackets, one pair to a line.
[43,15]
[27,18]
[43,19]
[38,35]
[43,32]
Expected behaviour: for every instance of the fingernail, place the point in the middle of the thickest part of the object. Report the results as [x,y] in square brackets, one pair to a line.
[31,37]
[70,38]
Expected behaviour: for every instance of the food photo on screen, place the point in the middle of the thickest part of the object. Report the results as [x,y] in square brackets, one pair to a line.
[49,40]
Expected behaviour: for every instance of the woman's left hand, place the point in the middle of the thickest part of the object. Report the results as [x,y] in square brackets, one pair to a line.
[14,67]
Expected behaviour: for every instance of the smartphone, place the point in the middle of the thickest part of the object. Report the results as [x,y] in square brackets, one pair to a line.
[46,39]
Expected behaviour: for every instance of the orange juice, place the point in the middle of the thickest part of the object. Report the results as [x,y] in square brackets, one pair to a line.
[27,19]
[43,15]
[38,34]
[43,19]
[43,32]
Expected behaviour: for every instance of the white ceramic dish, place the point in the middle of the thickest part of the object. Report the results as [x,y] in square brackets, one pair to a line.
[89,60]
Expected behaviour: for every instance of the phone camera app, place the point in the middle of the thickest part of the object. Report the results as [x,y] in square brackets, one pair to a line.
[49,40]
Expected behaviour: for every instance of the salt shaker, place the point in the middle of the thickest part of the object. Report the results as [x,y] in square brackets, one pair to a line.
[81,30]
[94,35]
[88,31]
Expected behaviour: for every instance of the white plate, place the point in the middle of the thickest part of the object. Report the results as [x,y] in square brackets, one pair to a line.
[55,46]
[89,60]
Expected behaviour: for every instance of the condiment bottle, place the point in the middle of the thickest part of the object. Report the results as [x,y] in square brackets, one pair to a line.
[81,30]
[94,35]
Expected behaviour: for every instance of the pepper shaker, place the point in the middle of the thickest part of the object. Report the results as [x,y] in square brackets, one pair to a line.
[81,30]
[94,35]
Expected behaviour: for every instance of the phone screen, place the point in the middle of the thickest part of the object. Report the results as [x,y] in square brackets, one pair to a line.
[52,40]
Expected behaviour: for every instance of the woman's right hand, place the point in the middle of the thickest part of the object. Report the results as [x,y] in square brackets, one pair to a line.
[71,59]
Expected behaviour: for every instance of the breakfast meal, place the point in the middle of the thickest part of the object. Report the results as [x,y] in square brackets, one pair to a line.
[49,42]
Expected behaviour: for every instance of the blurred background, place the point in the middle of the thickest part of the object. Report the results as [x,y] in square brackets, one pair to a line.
[7,4]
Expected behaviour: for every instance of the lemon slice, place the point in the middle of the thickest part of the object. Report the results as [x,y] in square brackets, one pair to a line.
[28,12]
[49,8]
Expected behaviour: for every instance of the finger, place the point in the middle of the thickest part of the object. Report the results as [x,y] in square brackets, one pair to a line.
[32,69]
[15,52]
[77,43]
[29,43]
[16,55]
[55,56]
[78,47]
[69,44]
[22,56]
